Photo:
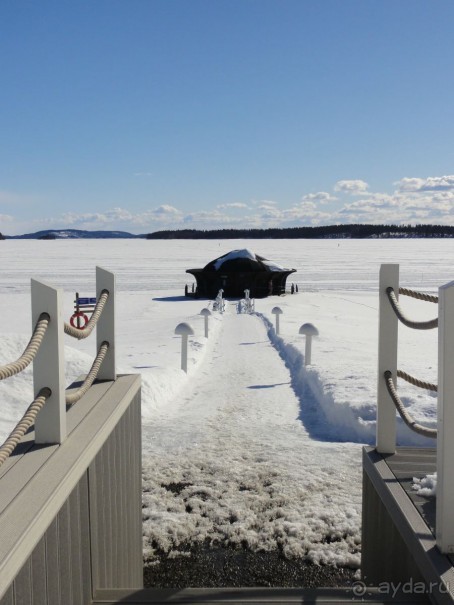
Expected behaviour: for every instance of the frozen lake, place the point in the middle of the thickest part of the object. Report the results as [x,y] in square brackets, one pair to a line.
[267,453]
[154,265]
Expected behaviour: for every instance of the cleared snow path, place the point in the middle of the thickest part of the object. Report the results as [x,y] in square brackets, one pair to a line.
[230,463]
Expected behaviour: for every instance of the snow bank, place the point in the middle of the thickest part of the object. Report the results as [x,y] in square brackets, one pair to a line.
[162,385]
[326,415]
[16,393]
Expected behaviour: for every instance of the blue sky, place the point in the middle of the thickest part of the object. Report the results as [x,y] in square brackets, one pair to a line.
[143,115]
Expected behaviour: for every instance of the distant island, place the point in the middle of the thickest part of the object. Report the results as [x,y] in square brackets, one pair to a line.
[323,232]
[48,234]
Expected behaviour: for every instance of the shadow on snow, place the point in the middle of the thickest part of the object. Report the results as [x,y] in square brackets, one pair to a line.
[324,418]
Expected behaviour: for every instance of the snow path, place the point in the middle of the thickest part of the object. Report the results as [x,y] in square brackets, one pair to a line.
[236,466]
[231,380]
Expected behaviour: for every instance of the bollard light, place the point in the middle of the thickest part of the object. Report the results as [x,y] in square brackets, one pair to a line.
[184,330]
[277,311]
[309,330]
[206,313]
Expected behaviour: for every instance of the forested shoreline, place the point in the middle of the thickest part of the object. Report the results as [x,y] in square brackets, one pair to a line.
[356,231]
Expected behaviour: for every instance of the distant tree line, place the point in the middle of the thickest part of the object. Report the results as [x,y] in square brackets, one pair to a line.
[324,232]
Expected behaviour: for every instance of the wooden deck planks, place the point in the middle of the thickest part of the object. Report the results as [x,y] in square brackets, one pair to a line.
[408,463]
[385,496]
[46,508]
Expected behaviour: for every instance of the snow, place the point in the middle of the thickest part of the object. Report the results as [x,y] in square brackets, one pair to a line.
[245,253]
[272,265]
[250,447]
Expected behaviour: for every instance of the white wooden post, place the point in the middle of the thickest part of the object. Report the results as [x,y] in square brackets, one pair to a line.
[105,328]
[49,363]
[276,311]
[309,330]
[445,440]
[184,330]
[206,313]
[387,360]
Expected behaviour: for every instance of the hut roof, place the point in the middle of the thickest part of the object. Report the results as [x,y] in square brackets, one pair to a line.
[238,270]
[242,261]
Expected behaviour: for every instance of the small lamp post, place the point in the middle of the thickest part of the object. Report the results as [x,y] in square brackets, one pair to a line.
[277,311]
[206,313]
[184,330]
[309,331]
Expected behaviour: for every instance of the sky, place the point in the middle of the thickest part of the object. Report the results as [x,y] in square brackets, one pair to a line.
[143,115]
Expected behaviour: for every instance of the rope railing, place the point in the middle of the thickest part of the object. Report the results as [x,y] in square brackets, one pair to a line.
[409,421]
[45,349]
[30,415]
[418,295]
[15,367]
[72,398]
[24,424]
[80,334]
[388,400]
[416,325]
[416,382]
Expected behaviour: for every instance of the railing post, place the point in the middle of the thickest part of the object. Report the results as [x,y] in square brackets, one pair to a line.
[105,328]
[387,360]
[445,440]
[48,365]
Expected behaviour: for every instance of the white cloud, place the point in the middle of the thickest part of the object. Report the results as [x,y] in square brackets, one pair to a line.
[354,187]
[6,218]
[305,213]
[264,203]
[401,207]
[269,212]
[415,200]
[266,206]
[205,216]
[431,183]
[116,219]
[322,197]
[232,205]
[165,209]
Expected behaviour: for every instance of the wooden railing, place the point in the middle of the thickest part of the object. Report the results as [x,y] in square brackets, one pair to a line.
[386,409]
[70,486]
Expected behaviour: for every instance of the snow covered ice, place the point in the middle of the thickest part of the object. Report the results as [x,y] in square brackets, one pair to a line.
[249,448]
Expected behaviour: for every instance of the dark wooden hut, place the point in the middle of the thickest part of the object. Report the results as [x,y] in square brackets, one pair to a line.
[237,271]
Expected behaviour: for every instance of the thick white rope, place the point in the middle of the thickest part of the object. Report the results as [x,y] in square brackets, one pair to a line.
[13,368]
[416,382]
[27,357]
[409,421]
[72,398]
[85,332]
[30,415]
[418,295]
[24,424]
[416,325]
